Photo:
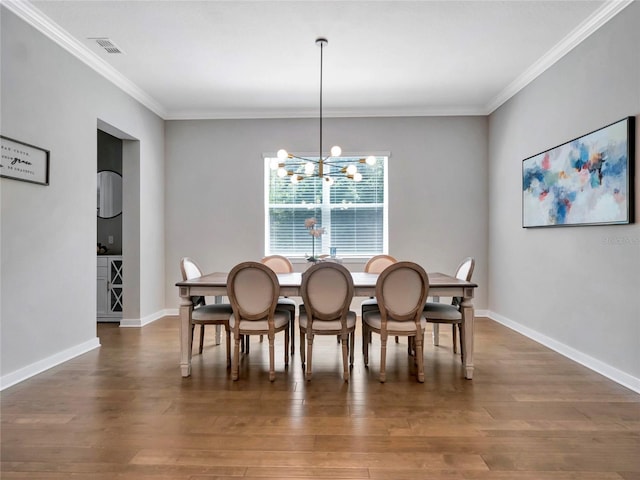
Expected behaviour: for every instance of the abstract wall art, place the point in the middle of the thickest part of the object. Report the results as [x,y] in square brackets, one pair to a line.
[586,181]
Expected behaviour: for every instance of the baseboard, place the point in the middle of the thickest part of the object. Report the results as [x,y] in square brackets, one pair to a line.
[40,366]
[594,364]
[141,322]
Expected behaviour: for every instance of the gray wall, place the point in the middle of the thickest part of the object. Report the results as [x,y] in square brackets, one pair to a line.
[48,233]
[437,187]
[575,288]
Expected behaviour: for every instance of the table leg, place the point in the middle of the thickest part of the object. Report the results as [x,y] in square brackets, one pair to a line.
[468,319]
[186,307]
[218,327]
[436,326]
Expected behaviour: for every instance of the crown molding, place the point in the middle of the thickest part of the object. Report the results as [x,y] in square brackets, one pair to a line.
[327,113]
[601,16]
[46,26]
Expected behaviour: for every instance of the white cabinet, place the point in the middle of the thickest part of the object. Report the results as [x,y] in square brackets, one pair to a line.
[109,284]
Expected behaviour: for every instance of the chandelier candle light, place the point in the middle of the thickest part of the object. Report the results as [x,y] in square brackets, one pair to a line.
[316,167]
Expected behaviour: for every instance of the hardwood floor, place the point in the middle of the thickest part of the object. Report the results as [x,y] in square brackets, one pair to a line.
[124,412]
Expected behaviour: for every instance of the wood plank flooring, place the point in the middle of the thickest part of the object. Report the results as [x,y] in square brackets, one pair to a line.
[124,412]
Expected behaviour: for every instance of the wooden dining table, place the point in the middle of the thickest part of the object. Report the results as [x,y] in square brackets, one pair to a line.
[215,285]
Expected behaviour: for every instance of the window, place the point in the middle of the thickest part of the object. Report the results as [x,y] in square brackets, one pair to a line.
[354,214]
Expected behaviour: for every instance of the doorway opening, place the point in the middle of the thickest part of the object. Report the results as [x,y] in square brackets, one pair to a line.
[119,233]
[110,298]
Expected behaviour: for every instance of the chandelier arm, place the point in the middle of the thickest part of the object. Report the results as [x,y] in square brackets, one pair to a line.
[333,163]
[303,158]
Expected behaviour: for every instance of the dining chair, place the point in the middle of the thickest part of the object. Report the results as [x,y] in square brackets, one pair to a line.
[401,291]
[327,291]
[281,264]
[278,263]
[438,313]
[215,314]
[378,263]
[253,290]
[375,264]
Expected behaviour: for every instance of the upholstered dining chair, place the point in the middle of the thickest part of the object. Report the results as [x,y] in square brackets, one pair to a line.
[278,263]
[281,264]
[438,313]
[327,291]
[401,291]
[215,314]
[253,290]
[376,264]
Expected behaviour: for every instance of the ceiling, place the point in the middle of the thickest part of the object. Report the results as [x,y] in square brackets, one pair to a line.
[258,59]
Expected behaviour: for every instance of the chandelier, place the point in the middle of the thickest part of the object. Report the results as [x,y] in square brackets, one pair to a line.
[317,167]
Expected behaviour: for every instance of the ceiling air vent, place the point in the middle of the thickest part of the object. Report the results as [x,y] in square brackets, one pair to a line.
[107,45]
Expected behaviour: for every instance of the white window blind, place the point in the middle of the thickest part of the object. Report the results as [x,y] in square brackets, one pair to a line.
[354,214]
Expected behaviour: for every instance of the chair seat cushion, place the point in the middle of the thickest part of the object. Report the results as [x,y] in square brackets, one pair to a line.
[369,305]
[330,325]
[281,319]
[287,305]
[213,312]
[374,319]
[441,311]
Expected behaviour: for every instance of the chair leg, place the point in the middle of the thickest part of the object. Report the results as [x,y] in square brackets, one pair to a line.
[454,334]
[293,331]
[246,344]
[383,358]
[236,357]
[201,339]
[193,327]
[272,370]
[365,344]
[345,355]
[352,340]
[286,347]
[218,330]
[309,355]
[363,333]
[419,339]
[228,335]
[436,334]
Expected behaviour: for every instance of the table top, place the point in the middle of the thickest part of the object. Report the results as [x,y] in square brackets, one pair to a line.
[360,279]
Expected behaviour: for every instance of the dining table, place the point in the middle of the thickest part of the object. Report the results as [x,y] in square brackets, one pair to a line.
[215,285]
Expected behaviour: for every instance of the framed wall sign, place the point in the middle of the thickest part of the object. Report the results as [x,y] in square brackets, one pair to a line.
[22,161]
[586,181]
